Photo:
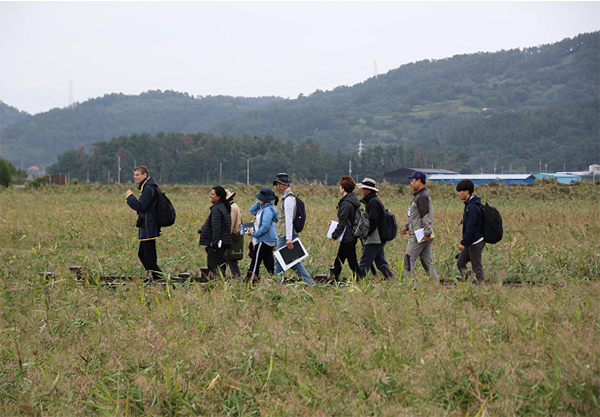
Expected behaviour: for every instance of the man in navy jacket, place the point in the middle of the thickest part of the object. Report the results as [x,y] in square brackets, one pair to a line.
[472,244]
[146,208]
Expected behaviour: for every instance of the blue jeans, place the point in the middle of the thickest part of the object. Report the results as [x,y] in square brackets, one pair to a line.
[298,268]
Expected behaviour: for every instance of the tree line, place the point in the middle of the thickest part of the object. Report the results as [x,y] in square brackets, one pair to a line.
[206,158]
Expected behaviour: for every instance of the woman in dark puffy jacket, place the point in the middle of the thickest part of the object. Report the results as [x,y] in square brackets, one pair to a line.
[346,211]
[215,234]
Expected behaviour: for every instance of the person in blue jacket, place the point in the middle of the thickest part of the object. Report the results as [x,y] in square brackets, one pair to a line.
[472,243]
[264,236]
[146,208]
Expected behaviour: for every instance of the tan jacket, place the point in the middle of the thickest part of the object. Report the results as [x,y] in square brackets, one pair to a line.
[236,218]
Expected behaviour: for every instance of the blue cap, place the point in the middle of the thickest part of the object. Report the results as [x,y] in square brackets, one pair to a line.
[420,175]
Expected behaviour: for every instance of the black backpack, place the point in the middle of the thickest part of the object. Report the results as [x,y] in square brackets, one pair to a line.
[361,224]
[165,212]
[300,217]
[388,229]
[491,224]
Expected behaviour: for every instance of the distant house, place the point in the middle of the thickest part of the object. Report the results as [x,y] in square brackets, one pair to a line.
[483,178]
[399,176]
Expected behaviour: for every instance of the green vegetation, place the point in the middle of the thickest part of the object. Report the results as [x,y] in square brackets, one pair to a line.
[10,175]
[429,105]
[368,348]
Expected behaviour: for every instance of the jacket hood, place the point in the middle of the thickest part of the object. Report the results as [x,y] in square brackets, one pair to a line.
[352,199]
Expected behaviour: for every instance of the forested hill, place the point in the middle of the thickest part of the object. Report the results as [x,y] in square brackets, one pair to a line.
[429,105]
[41,138]
[9,115]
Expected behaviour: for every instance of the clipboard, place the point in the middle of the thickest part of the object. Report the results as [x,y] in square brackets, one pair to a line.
[287,258]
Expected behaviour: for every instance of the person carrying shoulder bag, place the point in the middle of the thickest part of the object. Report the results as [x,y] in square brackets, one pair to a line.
[215,234]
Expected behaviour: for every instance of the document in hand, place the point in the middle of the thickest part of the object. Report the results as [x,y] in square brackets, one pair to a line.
[332,228]
[419,234]
[244,227]
[290,257]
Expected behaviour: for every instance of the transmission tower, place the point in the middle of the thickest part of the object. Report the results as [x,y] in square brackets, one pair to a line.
[360,147]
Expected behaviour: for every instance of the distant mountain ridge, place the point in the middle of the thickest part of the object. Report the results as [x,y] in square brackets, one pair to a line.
[9,114]
[423,104]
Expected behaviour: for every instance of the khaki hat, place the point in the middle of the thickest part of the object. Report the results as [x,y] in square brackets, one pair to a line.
[228,194]
[369,184]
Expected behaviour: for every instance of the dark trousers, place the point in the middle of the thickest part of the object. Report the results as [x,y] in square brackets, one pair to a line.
[147,254]
[261,253]
[234,268]
[471,253]
[216,262]
[374,253]
[347,251]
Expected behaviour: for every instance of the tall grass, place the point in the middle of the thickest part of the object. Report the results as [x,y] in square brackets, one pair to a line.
[368,348]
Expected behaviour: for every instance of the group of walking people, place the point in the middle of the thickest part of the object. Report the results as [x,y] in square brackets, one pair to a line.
[273,229]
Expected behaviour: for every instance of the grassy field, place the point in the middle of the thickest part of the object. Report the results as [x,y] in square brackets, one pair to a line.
[368,348]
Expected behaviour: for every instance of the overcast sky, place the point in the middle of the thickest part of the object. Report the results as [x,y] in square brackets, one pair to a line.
[250,48]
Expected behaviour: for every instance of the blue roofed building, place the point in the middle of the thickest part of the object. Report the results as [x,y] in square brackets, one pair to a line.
[479,179]
[561,178]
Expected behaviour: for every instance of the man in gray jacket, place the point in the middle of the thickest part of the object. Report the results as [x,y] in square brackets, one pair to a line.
[420,228]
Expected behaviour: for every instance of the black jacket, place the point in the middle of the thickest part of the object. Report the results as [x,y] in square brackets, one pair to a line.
[216,227]
[472,222]
[146,209]
[374,207]
[346,211]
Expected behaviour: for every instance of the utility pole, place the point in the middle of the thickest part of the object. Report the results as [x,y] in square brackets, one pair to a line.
[119,171]
[350,167]
[247,171]
[540,165]
[220,172]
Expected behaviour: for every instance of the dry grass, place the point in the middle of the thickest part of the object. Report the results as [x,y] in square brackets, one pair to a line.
[370,348]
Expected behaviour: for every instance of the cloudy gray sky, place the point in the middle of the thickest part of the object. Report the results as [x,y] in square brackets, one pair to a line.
[250,48]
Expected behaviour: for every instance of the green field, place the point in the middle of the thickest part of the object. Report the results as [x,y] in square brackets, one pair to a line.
[373,347]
